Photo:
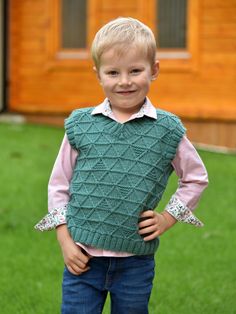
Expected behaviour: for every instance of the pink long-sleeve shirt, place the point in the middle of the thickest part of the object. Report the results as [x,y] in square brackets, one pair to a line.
[187,165]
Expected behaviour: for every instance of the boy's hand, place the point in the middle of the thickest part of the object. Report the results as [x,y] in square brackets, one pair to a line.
[74,258]
[154,224]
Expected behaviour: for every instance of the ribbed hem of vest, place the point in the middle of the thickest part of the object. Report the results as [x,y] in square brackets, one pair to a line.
[111,243]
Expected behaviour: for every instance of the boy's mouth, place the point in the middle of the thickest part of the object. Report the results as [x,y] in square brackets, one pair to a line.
[126,92]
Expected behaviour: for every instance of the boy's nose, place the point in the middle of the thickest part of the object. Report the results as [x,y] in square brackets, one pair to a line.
[124,80]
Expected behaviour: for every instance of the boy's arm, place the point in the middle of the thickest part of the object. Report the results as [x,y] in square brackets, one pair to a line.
[58,188]
[193,180]
[58,196]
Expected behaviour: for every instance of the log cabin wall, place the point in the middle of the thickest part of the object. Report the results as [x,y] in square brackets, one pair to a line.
[198,84]
[1,56]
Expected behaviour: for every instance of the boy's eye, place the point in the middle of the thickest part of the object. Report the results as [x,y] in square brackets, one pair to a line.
[136,71]
[112,73]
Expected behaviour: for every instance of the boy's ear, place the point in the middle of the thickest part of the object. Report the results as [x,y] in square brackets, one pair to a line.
[97,72]
[155,70]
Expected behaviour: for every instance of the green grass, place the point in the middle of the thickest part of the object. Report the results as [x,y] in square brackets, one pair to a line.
[195,268]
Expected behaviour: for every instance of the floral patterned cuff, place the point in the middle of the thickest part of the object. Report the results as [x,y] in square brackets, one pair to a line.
[182,213]
[53,219]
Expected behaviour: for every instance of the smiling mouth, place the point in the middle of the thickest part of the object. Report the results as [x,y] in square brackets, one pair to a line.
[126,92]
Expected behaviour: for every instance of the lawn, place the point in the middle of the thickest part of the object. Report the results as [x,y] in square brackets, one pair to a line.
[195,268]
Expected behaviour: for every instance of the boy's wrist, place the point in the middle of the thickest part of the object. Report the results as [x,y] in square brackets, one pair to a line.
[62,234]
[171,221]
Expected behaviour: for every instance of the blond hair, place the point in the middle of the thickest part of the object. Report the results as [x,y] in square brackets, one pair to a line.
[122,33]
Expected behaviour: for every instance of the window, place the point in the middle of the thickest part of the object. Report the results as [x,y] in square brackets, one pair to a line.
[73,24]
[171,23]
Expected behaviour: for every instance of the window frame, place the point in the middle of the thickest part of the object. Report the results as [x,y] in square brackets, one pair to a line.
[172,59]
[69,58]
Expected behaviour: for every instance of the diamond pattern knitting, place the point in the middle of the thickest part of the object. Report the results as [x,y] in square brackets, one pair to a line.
[121,170]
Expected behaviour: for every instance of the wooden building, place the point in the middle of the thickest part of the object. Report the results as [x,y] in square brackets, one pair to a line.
[50,68]
[2,87]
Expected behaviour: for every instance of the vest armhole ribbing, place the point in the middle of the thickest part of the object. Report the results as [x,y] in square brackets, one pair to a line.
[178,131]
[69,128]
[70,123]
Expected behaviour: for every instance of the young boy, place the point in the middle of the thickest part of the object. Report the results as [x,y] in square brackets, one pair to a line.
[111,171]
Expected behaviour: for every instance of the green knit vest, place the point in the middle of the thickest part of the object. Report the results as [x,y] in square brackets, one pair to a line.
[121,170]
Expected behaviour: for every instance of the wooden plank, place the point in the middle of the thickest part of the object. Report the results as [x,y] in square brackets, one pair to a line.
[219,15]
[209,4]
[219,58]
[212,133]
[225,30]
[114,5]
[225,45]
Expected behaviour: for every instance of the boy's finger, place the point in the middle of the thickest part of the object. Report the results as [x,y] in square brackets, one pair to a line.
[152,236]
[74,269]
[145,222]
[83,256]
[147,230]
[147,213]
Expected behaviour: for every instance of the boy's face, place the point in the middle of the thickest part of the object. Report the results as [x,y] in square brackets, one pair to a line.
[126,79]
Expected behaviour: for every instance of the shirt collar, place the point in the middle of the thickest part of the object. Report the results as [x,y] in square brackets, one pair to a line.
[147,109]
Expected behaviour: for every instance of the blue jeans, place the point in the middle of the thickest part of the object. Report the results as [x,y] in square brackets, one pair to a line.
[128,279]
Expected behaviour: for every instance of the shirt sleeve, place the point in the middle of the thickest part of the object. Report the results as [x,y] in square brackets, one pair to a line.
[58,187]
[193,179]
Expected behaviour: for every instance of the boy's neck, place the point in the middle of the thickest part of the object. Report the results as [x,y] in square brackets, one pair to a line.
[123,115]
